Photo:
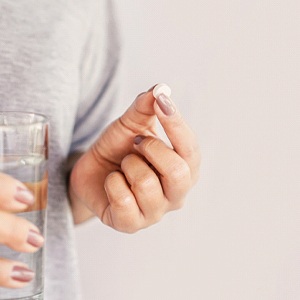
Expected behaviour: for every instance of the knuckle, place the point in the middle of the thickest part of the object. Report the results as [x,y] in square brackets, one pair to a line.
[145,183]
[111,179]
[120,202]
[127,160]
[150,143]
[180,172]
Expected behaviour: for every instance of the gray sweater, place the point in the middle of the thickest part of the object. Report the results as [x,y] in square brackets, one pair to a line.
[60,58]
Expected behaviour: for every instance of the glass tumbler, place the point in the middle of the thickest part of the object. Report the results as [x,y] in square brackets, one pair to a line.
[24,156]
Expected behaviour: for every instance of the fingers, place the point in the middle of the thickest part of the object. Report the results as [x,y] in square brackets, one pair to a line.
[179,133]
[175,173]
[19,234]
[115,141]
[140,115]
[136,197]
[146,188]
[14,195]
[122,213]
[15,232]
[14,274]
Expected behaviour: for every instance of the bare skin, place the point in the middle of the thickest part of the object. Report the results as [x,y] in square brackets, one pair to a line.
[129,179]
[129,182]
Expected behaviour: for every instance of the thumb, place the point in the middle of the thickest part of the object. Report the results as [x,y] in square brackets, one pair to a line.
[117,139]
[140,115]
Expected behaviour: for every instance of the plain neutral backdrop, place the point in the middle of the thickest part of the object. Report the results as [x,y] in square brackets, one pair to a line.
[234,70]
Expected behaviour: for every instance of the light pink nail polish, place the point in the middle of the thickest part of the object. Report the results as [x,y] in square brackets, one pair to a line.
[35,239]
[165,104]
[23,195]
[22,274]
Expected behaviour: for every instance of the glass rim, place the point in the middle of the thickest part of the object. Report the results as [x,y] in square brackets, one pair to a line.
[42,119]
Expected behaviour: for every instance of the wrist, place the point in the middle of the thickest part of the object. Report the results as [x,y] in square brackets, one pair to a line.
[80,211]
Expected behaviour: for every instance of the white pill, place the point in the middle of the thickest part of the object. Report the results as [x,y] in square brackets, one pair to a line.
[161,88]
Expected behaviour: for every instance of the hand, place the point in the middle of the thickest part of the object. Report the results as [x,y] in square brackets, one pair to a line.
[15,232]
[130,178]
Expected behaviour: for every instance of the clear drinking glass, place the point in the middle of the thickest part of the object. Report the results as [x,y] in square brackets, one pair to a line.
[24,156]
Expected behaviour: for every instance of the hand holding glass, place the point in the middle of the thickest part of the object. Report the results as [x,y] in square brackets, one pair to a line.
[23,156]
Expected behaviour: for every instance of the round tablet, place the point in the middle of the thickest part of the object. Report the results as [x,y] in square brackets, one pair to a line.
[161,88]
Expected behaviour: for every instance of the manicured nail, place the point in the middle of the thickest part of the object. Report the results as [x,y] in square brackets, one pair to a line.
[23,195]
[152,88]
[22,274]
[162,93]
[138,139]
[140,94]
[165,104]
[35,239]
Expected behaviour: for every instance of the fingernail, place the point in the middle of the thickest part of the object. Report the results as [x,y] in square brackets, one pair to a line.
[165,104]
[151,89]
[35,239]
[23,195]
[140,94]
[22,274]
[138,139]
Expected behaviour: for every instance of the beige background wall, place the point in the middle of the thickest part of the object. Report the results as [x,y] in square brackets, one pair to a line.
[234,70]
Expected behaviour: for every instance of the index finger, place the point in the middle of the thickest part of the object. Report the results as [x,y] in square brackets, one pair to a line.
[181,136]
